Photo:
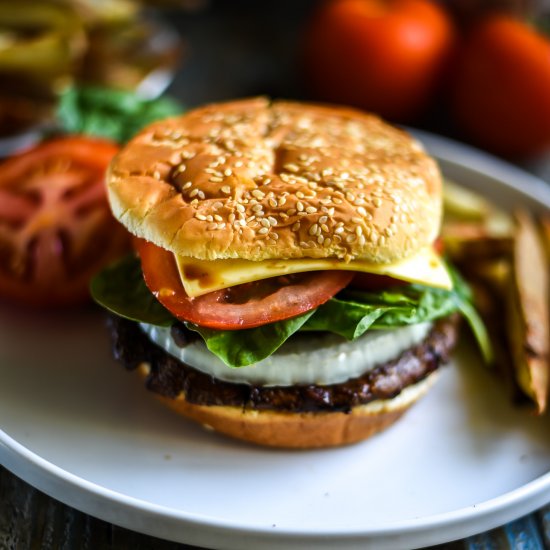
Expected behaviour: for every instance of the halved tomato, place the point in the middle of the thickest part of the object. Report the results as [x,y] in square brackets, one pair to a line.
[239,307]
[56,228]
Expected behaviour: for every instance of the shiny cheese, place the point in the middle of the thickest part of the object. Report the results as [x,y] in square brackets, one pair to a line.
[202,276]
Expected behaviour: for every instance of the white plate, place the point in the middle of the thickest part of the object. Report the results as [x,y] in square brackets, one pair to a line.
[80,428]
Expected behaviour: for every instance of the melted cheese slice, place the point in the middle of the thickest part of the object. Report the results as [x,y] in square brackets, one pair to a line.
[202,276]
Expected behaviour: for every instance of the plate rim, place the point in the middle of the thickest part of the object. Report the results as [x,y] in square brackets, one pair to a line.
[192,528]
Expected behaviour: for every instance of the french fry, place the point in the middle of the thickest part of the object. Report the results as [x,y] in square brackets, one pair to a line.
[528,313]
[464,204]
[474,241]
[545,230]
[474,229]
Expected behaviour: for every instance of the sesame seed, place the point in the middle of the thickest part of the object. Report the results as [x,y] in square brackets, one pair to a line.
[200,217]
[187,185]
[228,172]
[377,202]
[193,193]
[240,207]
[263,230]
[324,227]
[311,210]
[218,218]
[215,179]
[313,229]
[323,219]
[295,227]
[212,226]
[226,189]
[299,206]
[338,230]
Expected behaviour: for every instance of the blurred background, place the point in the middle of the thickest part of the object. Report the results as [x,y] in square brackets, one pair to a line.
[475,70]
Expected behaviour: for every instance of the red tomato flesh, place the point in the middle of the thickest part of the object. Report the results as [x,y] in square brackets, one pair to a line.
[239,307]
[56,228]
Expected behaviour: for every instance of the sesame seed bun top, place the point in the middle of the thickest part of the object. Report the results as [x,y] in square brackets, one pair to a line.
[258,180]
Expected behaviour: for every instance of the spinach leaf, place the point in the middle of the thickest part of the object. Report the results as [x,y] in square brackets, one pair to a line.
[120,288]
[238,348]
[110,113]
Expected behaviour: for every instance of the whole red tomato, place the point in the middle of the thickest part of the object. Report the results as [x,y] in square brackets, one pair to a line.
[501,94]
[383,56]
[56,229]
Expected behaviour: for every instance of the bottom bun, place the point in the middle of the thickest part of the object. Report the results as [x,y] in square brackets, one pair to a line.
[305,430]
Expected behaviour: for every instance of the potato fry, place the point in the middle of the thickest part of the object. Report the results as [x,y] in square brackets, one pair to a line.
[474,229]
[545,230]
[528,313]
[464,204]
[470,242]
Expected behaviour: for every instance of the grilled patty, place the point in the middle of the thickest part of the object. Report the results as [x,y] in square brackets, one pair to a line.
[170,377]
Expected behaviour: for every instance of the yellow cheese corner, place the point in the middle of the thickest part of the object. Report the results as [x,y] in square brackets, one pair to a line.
[202,276]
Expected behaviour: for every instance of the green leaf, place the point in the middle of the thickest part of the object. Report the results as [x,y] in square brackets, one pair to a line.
[463,297]
[353,313]
[120,288]
[110,113]
[239,348]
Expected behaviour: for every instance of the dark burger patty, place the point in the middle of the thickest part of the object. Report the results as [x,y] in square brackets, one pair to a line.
[170,377]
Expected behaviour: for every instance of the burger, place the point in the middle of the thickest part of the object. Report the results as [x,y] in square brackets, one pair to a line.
[287,287]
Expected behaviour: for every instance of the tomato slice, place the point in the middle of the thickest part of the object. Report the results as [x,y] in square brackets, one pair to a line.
[239,307]
[56,228]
